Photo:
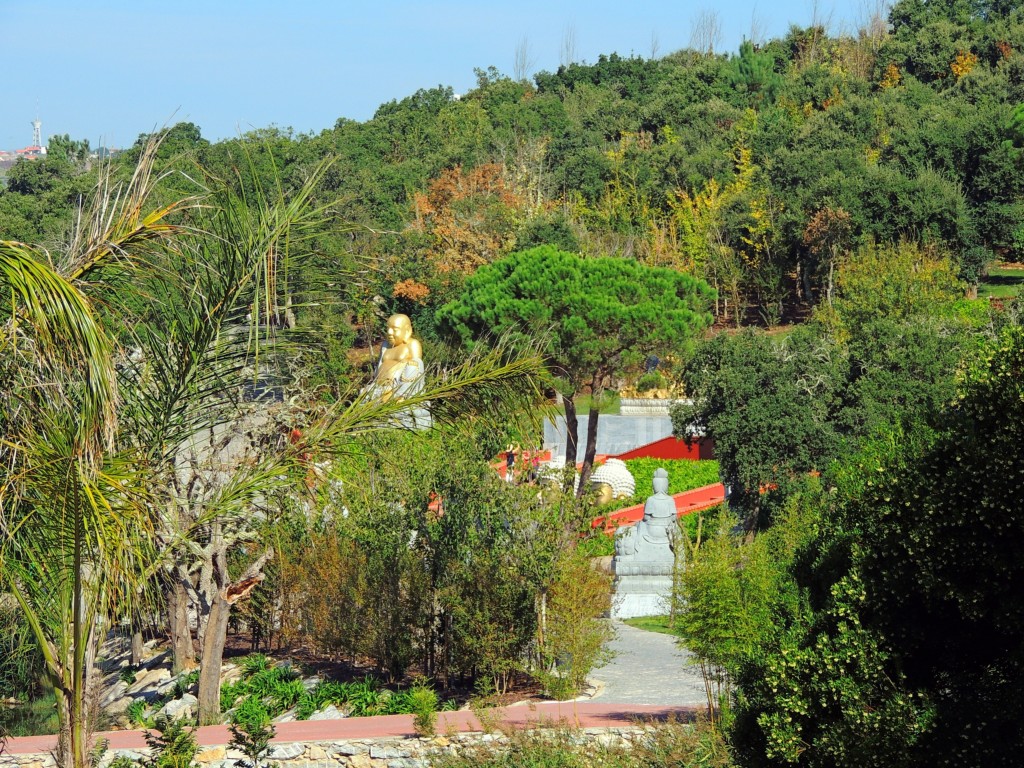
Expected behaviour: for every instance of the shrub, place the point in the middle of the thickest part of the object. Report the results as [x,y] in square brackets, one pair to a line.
[173,744]
[275,688]
[136,714]
[127,675]
[285,694]
[324,693]
[364,697]
[423,703]
[683,474]
[250,714]
[575,634]
[253,663]
[651,380]
[21,661]
[251,736]
[230,693]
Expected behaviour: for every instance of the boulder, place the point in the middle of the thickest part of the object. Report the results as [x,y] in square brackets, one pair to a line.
[115,692]
[149,680]
[186,706]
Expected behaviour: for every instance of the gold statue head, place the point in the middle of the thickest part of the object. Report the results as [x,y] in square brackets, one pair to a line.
[603,493]
[399,330]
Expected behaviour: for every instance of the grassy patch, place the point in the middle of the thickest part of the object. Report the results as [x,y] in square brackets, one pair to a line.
[34,718]
[652,624]
[609,403]
[1002,283]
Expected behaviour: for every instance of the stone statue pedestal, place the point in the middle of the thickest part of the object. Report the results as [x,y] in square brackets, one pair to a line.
[641,596]
[645,558]
[641,588]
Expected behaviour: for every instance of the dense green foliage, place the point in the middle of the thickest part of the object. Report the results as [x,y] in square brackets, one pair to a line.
[683,475]
[436,565]
[756,171]
[882,353]
[596,318]
[905,643]
[172,744]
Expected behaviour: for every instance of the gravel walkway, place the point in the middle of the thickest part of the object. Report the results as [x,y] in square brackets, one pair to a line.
[648,668]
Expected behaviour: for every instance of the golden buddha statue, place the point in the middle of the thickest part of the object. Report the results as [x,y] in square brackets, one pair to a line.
[400,367]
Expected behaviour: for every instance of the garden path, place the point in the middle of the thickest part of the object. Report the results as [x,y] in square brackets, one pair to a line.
[648,668]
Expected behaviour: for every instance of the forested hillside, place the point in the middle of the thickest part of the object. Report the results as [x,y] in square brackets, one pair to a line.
[756,170]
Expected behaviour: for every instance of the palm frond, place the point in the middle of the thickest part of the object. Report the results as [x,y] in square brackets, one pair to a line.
[68,529]
[66,335]
[61,336]
[496,383]
[118,223]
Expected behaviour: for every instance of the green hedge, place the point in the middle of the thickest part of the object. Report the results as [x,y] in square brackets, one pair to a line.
[683,475]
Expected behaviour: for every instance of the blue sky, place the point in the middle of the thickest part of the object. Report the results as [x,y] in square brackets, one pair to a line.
[108,71]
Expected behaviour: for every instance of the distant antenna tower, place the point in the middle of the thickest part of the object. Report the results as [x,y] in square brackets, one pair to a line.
[37,133]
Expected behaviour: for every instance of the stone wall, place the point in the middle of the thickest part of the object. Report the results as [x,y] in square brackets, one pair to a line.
[349,753]
[615,434]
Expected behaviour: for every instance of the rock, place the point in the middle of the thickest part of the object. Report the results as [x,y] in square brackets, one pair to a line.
[360,761]
[117,706]
[316,752]
[165,685]
[440,741]
[347,749]
[386,753]
[113,693]
[328,713]
[186,707]
[162,659]
[230,673]
[150,697]
[285,751]
[211,754]
[135,755]
[148,680]
[310,682]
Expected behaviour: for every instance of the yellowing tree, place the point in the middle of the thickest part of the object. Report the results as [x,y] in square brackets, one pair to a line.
[470,216]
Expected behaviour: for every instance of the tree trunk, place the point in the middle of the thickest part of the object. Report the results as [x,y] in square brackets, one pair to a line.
[596,391]
[72,747]
[572,436]
[213,657]
[216,633]
[137,648]
[177,621]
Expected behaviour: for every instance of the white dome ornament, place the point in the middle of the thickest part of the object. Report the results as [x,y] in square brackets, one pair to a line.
[613,480]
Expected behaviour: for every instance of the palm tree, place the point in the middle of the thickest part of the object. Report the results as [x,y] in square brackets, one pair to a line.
[71,534]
